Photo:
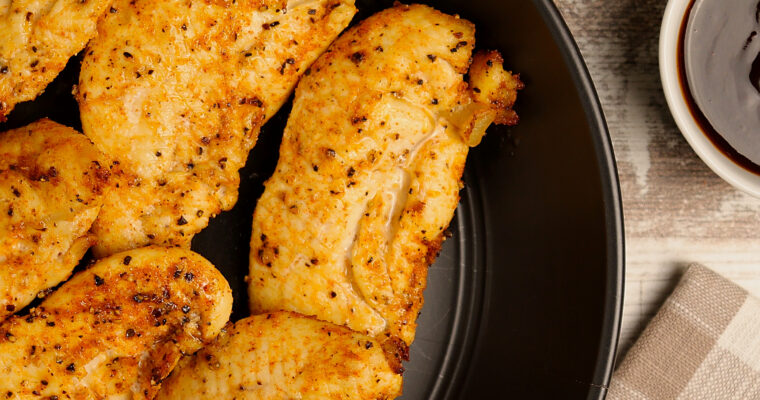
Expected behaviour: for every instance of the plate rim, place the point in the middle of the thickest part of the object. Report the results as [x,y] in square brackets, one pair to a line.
[613,207]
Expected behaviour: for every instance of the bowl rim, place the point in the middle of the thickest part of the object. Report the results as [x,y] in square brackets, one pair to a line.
[610,183]
[722,165]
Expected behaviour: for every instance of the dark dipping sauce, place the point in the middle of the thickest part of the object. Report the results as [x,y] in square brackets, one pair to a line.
[719,71]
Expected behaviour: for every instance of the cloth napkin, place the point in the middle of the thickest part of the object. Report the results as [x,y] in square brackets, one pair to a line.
[704,343]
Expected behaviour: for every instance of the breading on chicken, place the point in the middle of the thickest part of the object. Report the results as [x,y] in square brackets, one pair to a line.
[283,356]
[369,171]
[37,38]
[176,92]
[51,189]
[116,330]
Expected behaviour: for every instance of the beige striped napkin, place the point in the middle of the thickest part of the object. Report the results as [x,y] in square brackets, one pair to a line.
[704,343]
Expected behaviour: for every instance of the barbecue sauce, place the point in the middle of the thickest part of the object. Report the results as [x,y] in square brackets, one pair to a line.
[719,71]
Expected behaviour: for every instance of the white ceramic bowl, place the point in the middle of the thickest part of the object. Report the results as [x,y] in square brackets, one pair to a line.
[714,158]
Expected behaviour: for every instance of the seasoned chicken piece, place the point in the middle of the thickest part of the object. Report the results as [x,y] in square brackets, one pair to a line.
[176,91]
[37,38]
[285,356]
[51,189]
[369,171]
[116,330]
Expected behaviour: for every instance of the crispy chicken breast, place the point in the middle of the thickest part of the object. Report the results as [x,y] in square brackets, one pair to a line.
[285,356]
[37,38]
[115,330]
[369,171]
[176,92]
[51,189]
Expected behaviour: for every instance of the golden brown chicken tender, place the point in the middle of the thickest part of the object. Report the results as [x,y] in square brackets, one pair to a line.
[369,171]
[37,38]
[51,188]
[283,356]
[115,330]
[176,92]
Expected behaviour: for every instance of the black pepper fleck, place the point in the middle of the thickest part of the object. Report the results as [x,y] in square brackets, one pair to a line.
[357,57]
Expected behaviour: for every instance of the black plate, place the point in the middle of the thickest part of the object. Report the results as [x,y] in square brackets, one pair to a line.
[525,299]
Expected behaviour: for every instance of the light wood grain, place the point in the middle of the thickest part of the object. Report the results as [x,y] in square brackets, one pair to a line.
[677,211]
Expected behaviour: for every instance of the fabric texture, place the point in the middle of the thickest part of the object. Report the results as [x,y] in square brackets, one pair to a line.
[704,343]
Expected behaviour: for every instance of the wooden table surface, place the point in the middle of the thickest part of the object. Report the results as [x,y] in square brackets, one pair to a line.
[677,211]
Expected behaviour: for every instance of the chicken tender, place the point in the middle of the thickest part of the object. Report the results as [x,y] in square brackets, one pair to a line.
[51,189]
[285,356]
[369,171]
[37,38]
[177,91]
[115,330]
